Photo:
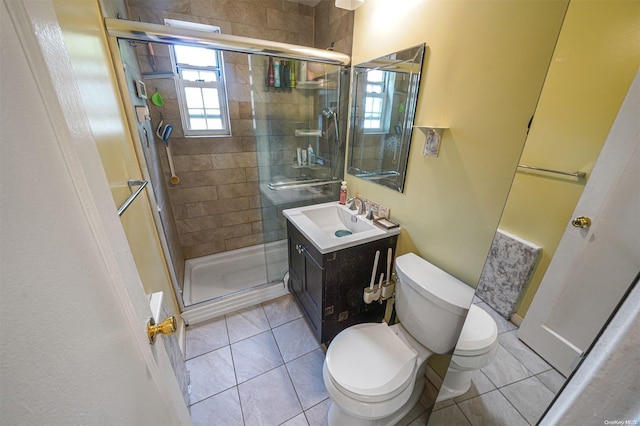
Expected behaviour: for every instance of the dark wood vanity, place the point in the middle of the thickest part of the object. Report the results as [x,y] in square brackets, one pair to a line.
[329,287]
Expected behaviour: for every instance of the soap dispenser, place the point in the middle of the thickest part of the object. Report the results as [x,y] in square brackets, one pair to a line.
[343,193]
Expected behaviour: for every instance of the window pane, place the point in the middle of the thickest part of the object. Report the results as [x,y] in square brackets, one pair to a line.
[188,74]
[197,75]
[374,88]
[208,75]
[375,76]
[368,104]
[197,123]
[211,99]
[372,124]
[373,105]
[194,97]
[196,56]
[214,123]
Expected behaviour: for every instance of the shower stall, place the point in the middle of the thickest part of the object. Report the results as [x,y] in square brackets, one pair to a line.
[220,199]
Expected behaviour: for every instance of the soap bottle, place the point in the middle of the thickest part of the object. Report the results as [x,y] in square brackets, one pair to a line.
[312,155]
[343,193]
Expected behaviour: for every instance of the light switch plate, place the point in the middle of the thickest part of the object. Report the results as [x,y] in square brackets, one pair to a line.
[142,113]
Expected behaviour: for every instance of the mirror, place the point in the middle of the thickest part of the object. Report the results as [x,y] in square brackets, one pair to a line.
[384,93]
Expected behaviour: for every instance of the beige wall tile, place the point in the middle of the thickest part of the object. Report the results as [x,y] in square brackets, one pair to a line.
[200,250]
[227,205]
[192,195]
[246,241]
[230,161]
[184,163]
[235,190]
[211,178]
[239,217]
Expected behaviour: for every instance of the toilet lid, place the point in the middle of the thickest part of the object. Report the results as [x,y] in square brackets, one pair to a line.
[479,333]
[370,360]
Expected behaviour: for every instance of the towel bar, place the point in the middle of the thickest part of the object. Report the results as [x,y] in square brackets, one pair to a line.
[541,169]
[132,182]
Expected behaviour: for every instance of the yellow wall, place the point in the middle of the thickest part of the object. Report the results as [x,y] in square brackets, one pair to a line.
[484,69]
[83,30]
[597,55]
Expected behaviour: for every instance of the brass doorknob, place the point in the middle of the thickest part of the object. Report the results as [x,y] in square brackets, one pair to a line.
[168,326]
[581,222]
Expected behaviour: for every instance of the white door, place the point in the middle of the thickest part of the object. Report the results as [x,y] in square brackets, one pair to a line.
[73,345]
[594,266]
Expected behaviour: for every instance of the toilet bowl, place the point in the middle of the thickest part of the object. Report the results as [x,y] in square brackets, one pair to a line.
[370,371]
[476,348]
[375,373]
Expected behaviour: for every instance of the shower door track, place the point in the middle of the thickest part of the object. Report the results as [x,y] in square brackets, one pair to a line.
[154,33]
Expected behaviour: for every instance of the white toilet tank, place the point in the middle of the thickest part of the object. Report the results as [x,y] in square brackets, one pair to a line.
[430,304]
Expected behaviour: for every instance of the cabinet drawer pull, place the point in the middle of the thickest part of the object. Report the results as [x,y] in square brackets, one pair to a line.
[300,248]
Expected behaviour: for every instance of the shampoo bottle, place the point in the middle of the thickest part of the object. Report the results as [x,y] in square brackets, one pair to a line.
[312,155]
[276,72]
[292,73]
[343,193]
[271,75]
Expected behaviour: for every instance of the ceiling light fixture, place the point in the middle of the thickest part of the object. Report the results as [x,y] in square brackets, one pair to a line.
[349,4]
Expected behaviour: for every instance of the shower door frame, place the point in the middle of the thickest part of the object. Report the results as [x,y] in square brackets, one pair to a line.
[120,29]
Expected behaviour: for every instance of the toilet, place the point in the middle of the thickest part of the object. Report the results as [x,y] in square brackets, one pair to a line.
[476,348]
[375,373]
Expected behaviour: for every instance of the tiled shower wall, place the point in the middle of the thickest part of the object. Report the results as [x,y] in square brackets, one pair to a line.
[217,203]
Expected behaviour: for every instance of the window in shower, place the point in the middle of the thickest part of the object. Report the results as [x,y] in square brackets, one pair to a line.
[201,87]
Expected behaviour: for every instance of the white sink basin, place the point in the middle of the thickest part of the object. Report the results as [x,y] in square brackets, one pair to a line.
[331,226]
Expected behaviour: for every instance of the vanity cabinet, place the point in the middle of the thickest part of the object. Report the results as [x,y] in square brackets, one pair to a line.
[329,287]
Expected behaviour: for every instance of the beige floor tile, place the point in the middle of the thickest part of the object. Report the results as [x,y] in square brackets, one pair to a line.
[491,409]
[269,399]
[255,355]
[246,323]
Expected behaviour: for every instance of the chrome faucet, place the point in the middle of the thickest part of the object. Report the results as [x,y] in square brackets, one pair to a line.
[352,200]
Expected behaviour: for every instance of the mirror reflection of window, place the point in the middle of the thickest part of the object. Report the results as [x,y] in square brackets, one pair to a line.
[200,84]
[378,88]
[384,96]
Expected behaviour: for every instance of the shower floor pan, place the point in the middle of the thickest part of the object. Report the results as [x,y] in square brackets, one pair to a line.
[233,279]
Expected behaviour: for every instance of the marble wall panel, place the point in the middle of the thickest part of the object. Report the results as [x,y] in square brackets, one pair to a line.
[507,271]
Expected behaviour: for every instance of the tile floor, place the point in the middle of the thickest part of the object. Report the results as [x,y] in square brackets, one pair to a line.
[263,366]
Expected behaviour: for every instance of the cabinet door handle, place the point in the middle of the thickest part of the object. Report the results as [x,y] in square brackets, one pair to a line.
[302,250]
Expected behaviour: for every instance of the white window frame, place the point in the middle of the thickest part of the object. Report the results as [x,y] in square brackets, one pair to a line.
[182,85]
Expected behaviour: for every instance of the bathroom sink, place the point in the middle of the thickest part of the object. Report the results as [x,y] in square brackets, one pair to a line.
[334,218]
[332,226]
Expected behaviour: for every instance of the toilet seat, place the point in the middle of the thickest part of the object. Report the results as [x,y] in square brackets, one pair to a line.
[479,334]
[370,363]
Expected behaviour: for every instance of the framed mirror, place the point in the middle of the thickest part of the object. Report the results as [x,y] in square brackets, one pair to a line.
[384,93]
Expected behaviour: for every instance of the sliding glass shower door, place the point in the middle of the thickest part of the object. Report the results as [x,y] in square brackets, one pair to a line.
[299,128]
